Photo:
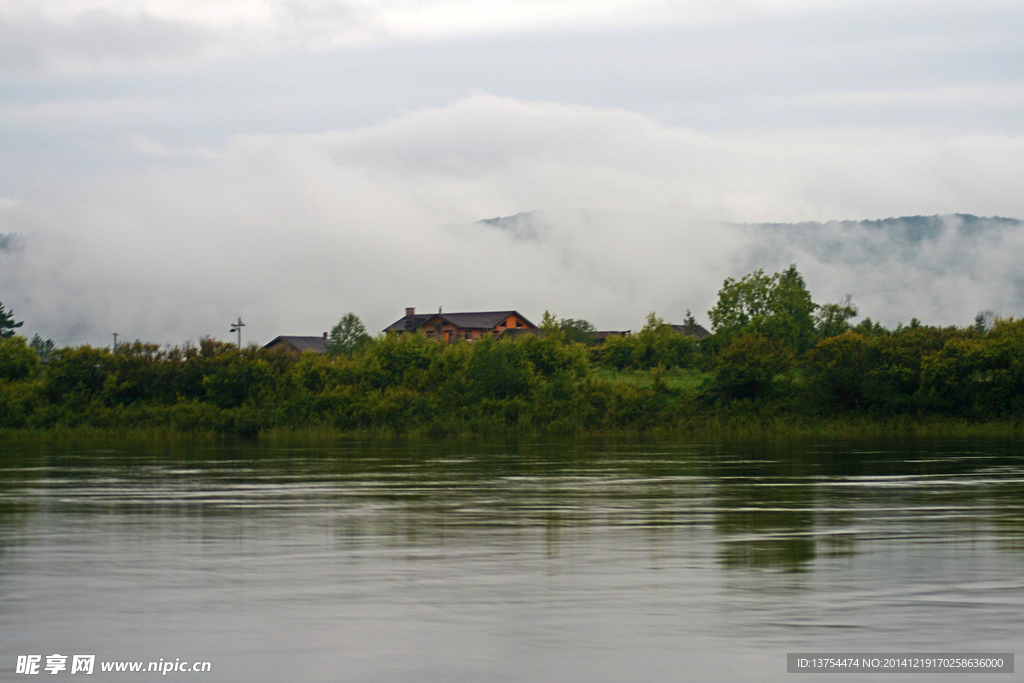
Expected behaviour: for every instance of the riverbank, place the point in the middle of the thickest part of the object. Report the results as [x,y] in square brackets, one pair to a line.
[702,428]
[916,381]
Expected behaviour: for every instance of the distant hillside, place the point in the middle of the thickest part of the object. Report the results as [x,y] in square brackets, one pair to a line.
[850,242]
[520,226]
[946,268]
[909,230]
[913,228]
[889,239]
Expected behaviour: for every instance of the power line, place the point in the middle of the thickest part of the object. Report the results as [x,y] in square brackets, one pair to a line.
[237,327]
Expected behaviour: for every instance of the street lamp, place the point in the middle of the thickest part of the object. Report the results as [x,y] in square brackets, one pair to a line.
[237,327]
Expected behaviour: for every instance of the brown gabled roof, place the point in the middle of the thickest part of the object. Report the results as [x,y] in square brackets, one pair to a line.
[486,320]
[694,330]
[317,344]
[417,320]
[481,321]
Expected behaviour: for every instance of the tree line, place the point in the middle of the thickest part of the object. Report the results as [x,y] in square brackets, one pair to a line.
[772,352]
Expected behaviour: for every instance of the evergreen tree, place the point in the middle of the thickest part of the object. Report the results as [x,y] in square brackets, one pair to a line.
[347,336]
[42,347]
[7,324]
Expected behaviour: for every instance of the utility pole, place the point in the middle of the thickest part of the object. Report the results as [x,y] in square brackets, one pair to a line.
[237,327]
[115,342]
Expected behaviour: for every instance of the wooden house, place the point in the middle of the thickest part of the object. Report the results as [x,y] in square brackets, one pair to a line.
[452,327]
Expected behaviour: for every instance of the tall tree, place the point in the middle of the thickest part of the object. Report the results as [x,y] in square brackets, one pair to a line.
[550,327]
[42,347]
[776,306]
[790,314]
[7,324]
[740,302]
[347,336]
[831,320]
[983,322]
[581,331]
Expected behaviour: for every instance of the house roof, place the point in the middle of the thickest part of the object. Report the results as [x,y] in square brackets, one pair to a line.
[604,334]
[317,344]
[692,330]
[486,320]
[417,320]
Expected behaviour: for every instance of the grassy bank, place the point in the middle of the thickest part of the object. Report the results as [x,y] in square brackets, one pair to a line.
[694,427]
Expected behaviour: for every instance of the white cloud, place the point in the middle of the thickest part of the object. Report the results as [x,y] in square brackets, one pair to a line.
[83,34]
[33,40]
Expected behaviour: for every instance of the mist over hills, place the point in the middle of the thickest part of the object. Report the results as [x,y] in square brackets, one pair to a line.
[942,269]
[8,242]
[846,241]
[892,239]
[612,268]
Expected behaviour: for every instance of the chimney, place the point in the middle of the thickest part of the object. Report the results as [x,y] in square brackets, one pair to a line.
[410,312]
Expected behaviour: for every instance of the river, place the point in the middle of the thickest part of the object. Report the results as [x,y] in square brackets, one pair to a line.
[541,561]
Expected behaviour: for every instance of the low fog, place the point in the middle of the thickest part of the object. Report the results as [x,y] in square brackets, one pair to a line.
[608,215]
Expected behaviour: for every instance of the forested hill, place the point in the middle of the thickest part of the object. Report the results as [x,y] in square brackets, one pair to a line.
[889,238]
[914,228]
[822,238]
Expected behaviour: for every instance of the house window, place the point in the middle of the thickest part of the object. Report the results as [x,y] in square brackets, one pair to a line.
[408,324]
[519,324]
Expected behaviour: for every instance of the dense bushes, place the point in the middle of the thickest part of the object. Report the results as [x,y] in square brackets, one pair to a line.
[750,366]
[978,375]
[409,383]
[656,345]
[396,383]
[17,360]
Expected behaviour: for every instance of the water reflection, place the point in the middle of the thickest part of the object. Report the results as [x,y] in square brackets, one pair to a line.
[583,551]
[769,505]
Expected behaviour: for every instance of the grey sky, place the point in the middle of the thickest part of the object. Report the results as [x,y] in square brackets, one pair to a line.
[171,165]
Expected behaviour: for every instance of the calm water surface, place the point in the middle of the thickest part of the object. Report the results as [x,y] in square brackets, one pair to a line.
[510,562]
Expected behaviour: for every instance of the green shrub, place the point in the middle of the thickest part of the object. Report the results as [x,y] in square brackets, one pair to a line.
[749,366]
[656,345]
[17,360]
[499,369]
[839,368]
[234,380]
[77,374]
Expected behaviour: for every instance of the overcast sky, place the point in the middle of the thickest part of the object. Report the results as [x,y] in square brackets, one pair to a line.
[170,165]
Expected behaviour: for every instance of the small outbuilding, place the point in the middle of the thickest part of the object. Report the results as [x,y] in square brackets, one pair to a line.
[297,345]
[601,336]
[694,330]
